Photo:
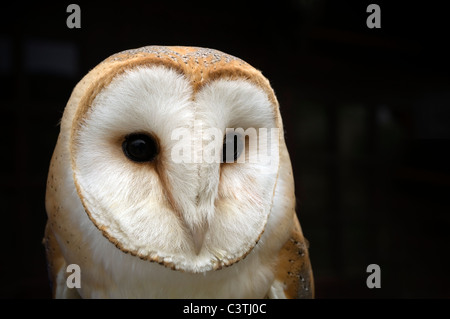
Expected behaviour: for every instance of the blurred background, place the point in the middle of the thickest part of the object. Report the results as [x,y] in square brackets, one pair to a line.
[366,113]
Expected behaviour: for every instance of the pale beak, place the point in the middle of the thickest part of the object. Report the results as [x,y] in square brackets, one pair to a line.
[198,236]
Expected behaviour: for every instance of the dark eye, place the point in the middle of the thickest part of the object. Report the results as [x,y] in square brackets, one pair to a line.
[140,147]
[232,147]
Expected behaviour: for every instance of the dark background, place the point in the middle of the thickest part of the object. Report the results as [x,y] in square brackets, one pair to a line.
[366,113]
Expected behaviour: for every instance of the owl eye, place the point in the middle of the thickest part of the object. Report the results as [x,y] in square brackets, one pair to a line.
[232,147]
[140,148]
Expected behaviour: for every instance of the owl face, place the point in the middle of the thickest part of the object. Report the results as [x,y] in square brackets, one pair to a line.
[141,141]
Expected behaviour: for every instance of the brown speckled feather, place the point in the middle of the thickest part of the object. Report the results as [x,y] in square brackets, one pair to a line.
[55,260]
[294,267]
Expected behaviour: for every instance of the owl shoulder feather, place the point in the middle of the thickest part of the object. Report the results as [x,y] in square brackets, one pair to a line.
[293,277]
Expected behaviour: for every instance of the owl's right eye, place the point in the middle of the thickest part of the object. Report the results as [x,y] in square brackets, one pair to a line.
[140,147]
[232,147]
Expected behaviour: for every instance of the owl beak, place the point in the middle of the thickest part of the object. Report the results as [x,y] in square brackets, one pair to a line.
[198,236]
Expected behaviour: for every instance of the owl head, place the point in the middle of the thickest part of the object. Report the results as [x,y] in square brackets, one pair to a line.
[174,154]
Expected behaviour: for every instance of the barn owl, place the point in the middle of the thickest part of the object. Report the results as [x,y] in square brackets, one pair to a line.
[133,201]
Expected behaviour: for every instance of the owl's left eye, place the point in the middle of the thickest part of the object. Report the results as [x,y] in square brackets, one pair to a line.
[140,147]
